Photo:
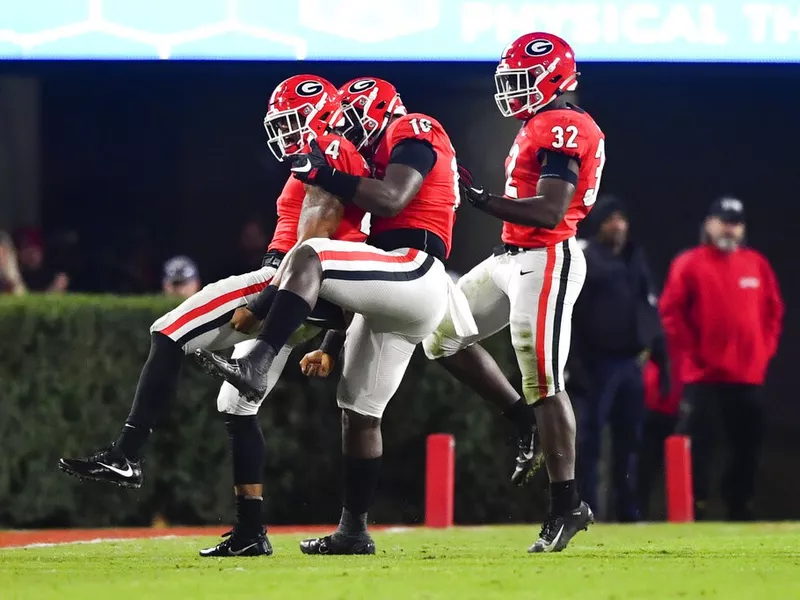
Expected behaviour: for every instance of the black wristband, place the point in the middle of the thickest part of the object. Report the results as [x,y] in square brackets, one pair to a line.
[332,343]
[261,304]
[338,183]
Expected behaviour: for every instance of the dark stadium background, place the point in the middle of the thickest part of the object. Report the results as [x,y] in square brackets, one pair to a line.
[178,150]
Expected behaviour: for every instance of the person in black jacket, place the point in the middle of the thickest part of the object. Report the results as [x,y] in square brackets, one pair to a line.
[616,326]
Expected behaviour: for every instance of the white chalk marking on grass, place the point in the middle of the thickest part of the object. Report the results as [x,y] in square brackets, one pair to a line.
[93,541]
[397,529]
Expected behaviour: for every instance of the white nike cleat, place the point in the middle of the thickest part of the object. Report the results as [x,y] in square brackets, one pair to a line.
[557,531]
[108,464]
[237,543]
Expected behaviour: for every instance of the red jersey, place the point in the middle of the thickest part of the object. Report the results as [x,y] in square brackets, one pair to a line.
[568,130]
[434,206]
[342,155]
[722,313]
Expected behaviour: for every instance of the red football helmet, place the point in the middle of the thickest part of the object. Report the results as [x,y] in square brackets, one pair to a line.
[534,70]
[299,111]
[367,105]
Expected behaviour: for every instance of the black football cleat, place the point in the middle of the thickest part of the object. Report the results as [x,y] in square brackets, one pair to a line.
[243,374]
[557,531]
[108,464]
[339,543]
[529,458]
[238,544]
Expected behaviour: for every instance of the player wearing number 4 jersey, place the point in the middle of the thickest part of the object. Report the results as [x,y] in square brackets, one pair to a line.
[226,312]
[395,283]
[533,280]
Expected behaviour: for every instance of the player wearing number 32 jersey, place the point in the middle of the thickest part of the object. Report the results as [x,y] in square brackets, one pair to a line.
[532,281]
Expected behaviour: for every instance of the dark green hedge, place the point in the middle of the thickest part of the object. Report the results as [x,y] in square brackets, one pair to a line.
[68,370]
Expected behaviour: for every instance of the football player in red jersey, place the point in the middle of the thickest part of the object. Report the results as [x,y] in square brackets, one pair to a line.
[552,176]
[395,284]
[227,312]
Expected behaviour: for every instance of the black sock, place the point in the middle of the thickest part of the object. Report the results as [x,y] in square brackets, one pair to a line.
[360,482]
[248,448]
[351,523]
[157,387]
[248,514]
[522,415]
[261,304]
[564,497]
[287,313]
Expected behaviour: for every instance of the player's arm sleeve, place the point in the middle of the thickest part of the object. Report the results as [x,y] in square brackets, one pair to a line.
[558,165]
[414,153]
[774,308]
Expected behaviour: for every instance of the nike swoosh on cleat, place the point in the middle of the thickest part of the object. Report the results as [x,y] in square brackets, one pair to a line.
[553,544]
[243,550]
[126,473]
[576,514]
[528,455]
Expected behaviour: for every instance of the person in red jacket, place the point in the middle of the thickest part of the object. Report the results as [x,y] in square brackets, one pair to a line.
[722,310]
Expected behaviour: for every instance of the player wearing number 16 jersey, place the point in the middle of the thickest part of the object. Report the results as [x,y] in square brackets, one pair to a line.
[532,282]
[395,283]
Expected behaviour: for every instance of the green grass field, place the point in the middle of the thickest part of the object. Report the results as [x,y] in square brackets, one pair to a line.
[613,562]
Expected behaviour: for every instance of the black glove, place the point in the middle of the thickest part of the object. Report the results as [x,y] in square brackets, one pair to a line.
[474,194]
[309,167]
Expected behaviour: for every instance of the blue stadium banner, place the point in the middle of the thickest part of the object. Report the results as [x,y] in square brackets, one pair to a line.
[601,30]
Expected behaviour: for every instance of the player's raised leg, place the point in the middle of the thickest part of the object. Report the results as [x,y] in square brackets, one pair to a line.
[203,320]
[485,287]
[357,277]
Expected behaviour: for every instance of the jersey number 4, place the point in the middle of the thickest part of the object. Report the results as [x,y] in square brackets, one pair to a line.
[333,150]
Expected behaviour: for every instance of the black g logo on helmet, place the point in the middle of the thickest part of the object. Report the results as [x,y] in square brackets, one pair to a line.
[309,88]
[362,85]
[539,47]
